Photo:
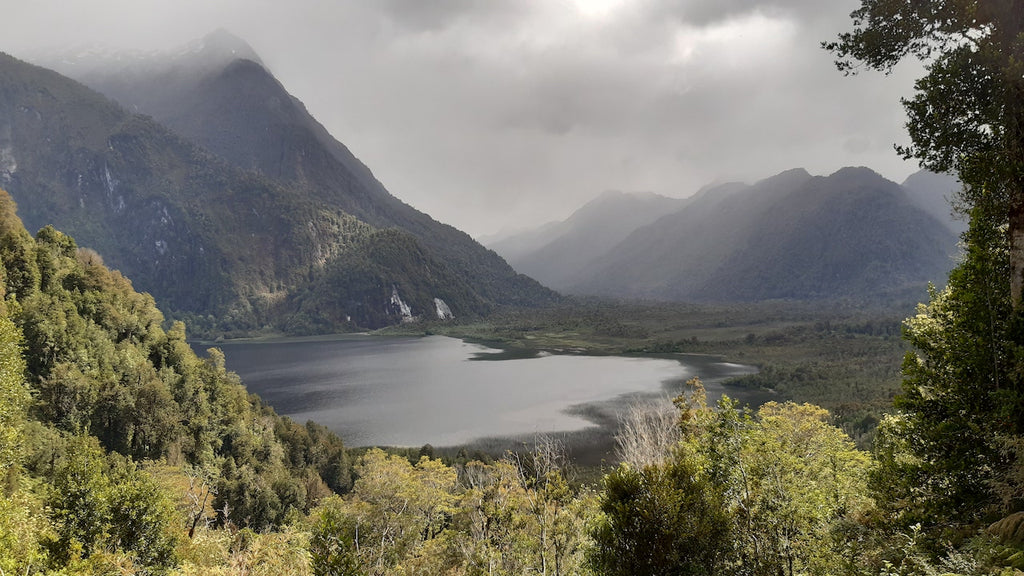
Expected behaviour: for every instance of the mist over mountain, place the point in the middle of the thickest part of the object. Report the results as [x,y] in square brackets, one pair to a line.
[555,254]
[220,242]
[217,95]
[230,202]
[935,193]
[791,236]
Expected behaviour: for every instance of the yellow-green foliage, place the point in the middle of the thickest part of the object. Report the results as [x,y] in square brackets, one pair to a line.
[102,388]
[515,516]
[246,553]
[14,397]
[23,525]
[22,522]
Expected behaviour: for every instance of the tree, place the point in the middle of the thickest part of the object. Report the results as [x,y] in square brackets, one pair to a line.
[21,523]
[14,399]
[647,432]
[939,457]
[660,520]
[776,492]
[332,542]
[393,510]
[100,502]
[967,114]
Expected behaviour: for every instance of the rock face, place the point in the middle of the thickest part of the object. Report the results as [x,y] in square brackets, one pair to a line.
[227,247]
[1009,530]
[443,311]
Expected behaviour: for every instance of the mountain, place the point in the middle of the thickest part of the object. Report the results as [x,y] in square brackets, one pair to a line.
[514,244]
[226,247]
[791,236]
[216,93]
[555,254]
[934,193]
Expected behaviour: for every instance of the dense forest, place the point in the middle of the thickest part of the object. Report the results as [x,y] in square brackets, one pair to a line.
[123,452]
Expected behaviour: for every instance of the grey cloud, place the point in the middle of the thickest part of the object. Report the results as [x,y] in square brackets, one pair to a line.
[428,15]
[705,12]
[492,114]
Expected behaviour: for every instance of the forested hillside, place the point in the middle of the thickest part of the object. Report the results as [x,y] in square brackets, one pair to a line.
[116,437]
[122,452]
[852,234]
[230,249]
[220,96]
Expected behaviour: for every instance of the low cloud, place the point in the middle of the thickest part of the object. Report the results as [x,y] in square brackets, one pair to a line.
[500,114]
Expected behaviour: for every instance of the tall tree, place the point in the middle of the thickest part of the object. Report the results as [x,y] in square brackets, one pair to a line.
[944,455]
[967,114]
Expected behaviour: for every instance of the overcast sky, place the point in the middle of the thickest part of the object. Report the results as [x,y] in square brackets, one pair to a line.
[493,114]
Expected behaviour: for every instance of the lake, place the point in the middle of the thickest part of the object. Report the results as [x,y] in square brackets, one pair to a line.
[445,392]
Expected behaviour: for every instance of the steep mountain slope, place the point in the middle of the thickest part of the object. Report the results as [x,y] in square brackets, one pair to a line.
[217,94]
[791,236]
[512,245]
[556,254]
[204,237]
[934,193]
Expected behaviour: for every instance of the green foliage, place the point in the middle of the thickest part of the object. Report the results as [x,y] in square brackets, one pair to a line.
[14,400]
[23,525]
[668,519]
[793,481]
[99,503]
[355,287]
[941,457]
[950,457]
[103,386]
[779,491]
[332,547]
[314,446]
[967,111]
[515,516]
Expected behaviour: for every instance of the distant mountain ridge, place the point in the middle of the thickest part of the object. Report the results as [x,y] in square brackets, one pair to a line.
[936,194]
[558,254]
[791,236]
[228,247]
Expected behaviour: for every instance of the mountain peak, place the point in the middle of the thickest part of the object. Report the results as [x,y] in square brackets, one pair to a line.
[856,172]
[787,178]
[220,47]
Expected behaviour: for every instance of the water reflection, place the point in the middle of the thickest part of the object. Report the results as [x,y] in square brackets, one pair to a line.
[414,391]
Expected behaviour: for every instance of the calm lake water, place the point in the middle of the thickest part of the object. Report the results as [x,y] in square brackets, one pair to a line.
[443,391]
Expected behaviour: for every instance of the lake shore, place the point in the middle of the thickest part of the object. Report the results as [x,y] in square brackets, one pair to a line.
[396,390]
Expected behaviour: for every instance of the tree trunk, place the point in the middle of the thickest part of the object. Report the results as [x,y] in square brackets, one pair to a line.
[1012,44]
[1016,249]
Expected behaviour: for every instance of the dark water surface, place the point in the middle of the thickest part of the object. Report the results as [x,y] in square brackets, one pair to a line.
[415,391]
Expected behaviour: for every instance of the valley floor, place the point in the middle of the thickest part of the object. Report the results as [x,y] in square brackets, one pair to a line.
[843,356]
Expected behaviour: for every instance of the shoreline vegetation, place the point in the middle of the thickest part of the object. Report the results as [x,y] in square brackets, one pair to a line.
[843,356]
[126,453]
